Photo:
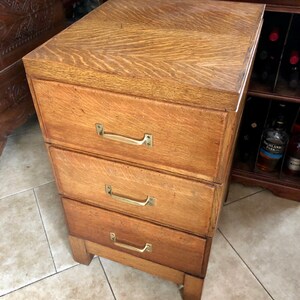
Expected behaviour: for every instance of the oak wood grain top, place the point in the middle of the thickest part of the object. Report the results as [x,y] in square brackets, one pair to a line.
[186,51]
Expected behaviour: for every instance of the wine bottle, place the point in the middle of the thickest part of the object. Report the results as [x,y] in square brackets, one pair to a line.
[251,128]
[273,145]
[279,110]
[247,140]
[274,35]
[294,69]
[292,161]
[269,55]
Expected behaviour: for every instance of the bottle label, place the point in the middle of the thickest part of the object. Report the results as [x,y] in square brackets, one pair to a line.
[273,151]
[293,164]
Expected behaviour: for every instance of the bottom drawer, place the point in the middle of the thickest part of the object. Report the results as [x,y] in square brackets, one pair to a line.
[162,245]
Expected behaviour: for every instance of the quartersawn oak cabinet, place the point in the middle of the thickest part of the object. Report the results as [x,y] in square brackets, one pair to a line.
[140,117]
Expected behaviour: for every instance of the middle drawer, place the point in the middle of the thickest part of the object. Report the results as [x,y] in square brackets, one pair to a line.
[169,200]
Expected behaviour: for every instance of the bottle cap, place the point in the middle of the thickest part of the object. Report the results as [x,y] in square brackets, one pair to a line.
[294,58]
[254,125]
[274,35]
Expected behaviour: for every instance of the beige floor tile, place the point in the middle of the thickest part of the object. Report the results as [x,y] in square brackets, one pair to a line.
[238,191]
[78,283]
[265,231]
[55,225]
[24,163]
[227,276]
[24,252]
[130,284]
[227,279]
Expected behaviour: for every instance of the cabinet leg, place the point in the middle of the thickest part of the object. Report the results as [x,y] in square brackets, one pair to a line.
[79,251]
[192,287]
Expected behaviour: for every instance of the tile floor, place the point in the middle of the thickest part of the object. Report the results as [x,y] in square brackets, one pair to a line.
[255,254]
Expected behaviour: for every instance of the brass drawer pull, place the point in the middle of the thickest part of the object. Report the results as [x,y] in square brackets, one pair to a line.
[147,140]
[147,247]
[149,200]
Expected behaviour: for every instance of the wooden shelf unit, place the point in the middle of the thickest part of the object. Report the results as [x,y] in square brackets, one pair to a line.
[277,90]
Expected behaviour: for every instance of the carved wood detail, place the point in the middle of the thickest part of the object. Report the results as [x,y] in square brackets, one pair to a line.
[24,25]
[22,21]
[16,103]
[13,86]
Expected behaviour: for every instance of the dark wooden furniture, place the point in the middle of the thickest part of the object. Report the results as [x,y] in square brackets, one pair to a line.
[140,116]
[276,5]
[288,12]
[23,26]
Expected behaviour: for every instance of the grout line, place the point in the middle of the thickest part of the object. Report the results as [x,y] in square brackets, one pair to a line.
[41,279]
[225,204]
[245,264]
[37,203]
[26,190]
[107,278]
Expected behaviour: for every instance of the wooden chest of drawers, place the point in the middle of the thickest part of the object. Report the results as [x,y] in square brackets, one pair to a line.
[139,104]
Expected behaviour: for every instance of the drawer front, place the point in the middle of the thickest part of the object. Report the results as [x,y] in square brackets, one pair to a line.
[185,140]
[168,247]
[169,200]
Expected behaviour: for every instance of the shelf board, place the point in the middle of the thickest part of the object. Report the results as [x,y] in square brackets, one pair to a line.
[243,166]
[282,93]
[273,96]
[289,6]
[284,186]
[283,8]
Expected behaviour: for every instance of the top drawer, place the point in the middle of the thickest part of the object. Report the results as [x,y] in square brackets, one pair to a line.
[185,140]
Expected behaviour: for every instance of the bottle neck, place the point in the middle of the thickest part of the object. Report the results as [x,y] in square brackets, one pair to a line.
[279,125]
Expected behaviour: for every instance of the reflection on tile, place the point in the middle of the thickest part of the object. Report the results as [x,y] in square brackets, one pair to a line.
[129,284]
[24,164]
[55,225]
[78,283]
[265,230]
[227,276]
[238,191]
[24,251]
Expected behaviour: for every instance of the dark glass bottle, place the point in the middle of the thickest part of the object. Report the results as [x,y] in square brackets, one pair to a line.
[251,128]
[269,55]
[274,35]
[274,141]
[292,160]
[294,69]
[247,141]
